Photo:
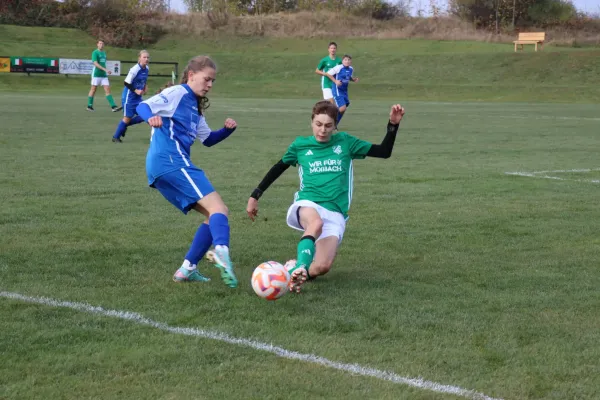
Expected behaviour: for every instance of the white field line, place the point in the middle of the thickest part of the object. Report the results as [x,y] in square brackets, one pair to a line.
[558,171]
[544,174]
[355,369]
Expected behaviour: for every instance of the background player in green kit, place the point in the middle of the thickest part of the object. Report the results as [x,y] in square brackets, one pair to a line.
[325,65]
[320,207]
[100,77]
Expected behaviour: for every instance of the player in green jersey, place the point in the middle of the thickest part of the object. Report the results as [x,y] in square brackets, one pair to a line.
[320,207]
[325,65]
[100,78]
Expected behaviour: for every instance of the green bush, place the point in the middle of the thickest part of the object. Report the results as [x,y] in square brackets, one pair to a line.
[551,12]
[120,23]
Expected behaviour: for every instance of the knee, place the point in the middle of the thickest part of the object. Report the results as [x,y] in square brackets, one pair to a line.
[320,267]
[221,209]
[315,227]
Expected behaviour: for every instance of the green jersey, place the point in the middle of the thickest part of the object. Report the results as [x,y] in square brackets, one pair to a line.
[325,169]
[325,65]
[100,57]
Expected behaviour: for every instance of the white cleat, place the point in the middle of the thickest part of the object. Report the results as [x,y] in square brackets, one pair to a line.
[297,277]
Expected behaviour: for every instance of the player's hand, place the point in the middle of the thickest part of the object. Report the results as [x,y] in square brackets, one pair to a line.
[396,114]
[252,208]
[155,122]
[109,72]
[337,83]
[355,79]
[139,92]
[230,123]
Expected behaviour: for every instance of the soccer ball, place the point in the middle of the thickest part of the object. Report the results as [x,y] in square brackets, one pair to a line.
[270,280]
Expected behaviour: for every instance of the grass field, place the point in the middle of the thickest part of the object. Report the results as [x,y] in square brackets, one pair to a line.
[283,68]
[451,270]
[470,258]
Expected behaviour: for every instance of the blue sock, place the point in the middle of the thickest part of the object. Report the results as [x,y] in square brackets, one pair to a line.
[200,245]
[340,115]
[120,130]
[219,228]
[136,120]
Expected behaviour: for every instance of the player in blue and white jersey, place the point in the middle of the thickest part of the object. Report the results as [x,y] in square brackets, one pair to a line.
[342,74]
[135,87]
[177,121]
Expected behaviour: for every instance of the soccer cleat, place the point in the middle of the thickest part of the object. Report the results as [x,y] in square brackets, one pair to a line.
[297,279]
[117,140]
[116,109]
[90,108]
[298,275]
[290,265]
[220,258]
[185,275]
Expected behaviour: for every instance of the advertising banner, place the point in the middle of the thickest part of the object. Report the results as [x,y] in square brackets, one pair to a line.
[73,66]
[34,64]
[4,64]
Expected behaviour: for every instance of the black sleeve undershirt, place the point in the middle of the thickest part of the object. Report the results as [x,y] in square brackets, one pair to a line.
[384,150]
[129,86]
[274,173]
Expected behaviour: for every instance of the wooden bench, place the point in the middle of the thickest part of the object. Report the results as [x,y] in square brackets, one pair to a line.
[531,38]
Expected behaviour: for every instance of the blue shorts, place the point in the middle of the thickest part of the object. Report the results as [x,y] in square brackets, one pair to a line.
[184,187]
[341,100]
[129,107]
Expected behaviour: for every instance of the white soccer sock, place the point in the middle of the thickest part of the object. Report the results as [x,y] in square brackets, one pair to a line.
[222,247]
[189,266]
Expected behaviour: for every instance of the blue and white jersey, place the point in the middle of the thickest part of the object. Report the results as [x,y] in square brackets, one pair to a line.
[342,74]
[182,124]
[137,77]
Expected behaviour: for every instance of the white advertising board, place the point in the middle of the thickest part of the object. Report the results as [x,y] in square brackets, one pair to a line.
[73,66]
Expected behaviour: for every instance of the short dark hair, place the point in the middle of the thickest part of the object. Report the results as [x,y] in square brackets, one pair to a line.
[325,107]
[347,56]
[332,44]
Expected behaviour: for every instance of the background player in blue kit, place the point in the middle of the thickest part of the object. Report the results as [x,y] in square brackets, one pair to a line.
[135,87]
[177,120]
[343,74]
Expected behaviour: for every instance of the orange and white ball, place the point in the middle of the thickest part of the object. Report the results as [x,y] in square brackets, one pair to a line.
[270,280]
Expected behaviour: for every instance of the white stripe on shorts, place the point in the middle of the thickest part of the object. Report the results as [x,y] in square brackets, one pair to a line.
[189,178]
[125,105]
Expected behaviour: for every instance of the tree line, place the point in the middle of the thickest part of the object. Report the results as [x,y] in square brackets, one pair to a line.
[130,23]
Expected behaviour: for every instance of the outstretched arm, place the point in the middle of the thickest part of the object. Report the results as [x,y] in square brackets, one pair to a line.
[209,137]
[274,173]
[215,137]
[384,150]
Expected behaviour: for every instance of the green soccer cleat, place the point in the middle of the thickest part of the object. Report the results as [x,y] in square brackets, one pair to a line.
[220,258]
[185,275]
